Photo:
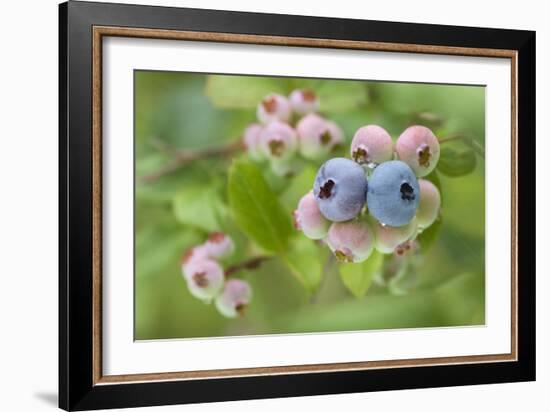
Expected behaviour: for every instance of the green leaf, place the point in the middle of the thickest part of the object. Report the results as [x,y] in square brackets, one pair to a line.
[297,187]
[200,207]
[464,111]
[358,276]
[242,92]
[337,95]
[245,92]
[428,237]
[454,163]
[256,208]
[304,260]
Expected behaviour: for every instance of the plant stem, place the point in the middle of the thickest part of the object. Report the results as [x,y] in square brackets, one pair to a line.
[329,265]
[182,157]
[252,263]
[452,137]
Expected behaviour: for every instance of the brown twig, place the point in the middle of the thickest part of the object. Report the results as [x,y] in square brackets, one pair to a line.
[182,157]
[252,263]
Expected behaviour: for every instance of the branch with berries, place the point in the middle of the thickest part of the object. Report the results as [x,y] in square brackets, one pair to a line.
[207,281]
[379,199]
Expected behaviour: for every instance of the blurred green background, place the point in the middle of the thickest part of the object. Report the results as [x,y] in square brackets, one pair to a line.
[177,205]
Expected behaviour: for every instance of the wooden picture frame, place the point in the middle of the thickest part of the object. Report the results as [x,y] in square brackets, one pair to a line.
[82,384]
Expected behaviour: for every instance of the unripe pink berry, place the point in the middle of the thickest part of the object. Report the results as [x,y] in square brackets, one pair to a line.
[194,254]
[351,241]
[278,141]
[317,136]
[388,238]
[419,148]
[430,203]
[251,140]
[406,248]
[274,107]
[219,245]
[235,297]
[371,145]
[304,101]
[204,279]
[309,219]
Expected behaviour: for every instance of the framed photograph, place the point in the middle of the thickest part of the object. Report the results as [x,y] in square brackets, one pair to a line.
[257,205]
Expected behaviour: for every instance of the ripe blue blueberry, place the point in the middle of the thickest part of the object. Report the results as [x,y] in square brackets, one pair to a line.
[393,193]
[340,188]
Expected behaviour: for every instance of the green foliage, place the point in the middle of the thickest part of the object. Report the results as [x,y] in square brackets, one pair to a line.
[301,288]
[305,261]
[173,109]
[358,277]
[428,237]
[460,298]
[461,108]
[455,163]
[242,92]
[193,201]
[336,95]
[298,187]
[245,92]
[440,306]
[158,246]
[256,208]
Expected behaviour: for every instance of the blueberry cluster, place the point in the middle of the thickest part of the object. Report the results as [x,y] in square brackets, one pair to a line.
[206,279]
[288,127]
[375,201]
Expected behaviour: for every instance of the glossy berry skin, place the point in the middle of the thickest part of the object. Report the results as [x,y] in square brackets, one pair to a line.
[219,245]
[371,145]
[251,140]
[340,188]
[388,238]
[236,295]
[393,194]
[350,241]
[303,101]
[308,218]
[430,203]
[274,107]
[419,148]
[278,141]
[204,279]
[317,136]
